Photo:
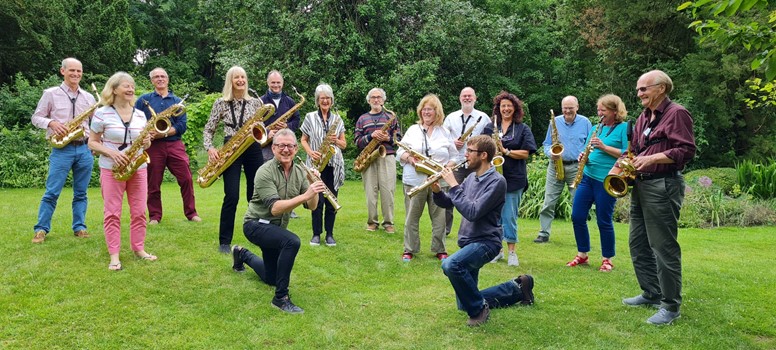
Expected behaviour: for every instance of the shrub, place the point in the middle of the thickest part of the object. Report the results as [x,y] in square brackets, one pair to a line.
[758,180]
[533,199]
[19,99]
[724,178]
[705,205]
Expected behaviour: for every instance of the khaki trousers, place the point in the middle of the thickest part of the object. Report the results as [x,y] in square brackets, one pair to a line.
[380,179]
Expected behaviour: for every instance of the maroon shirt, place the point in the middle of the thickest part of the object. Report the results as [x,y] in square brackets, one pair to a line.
[671,133]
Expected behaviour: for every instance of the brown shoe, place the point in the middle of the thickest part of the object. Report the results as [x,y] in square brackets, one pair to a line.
[81,234]
[40,236]
[481,318]
[195,218]
[371,227]
[153,222]
[390,229]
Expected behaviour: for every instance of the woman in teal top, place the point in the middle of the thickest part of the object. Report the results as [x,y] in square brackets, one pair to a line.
[609,142]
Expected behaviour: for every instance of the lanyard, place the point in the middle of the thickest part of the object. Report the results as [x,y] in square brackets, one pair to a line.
[72,99]
[242,114]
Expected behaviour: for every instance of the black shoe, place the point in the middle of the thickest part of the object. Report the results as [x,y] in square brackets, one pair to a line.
[481,318]
[330,241]
[285,305]
[526,284]
[316,241]
[224,249]
[542,239]
[237,262]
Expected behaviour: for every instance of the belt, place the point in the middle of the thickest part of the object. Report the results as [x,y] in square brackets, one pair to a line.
[78,142]
[569,162]
[653,176]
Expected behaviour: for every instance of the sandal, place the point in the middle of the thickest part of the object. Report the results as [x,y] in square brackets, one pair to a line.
[578,260]
[148,257]
[606,266]
[115,267]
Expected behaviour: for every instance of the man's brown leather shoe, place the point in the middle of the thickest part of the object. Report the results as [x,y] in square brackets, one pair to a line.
[81,234]
[40,236]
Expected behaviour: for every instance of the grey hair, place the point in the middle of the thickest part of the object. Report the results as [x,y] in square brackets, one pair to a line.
[283,132]
[151,73]
[382,93]
[660,77]
[275,71]
[68,60]
[323,90]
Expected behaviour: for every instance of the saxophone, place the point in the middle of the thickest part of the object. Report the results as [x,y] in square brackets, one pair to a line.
[327,150]
[74,129]
[283,117]
[425,164]
[617,185]
[556,149]
[252,130]
[137,156]
[312,177]
[468,131]
[498,158]
[585,156]
[372,151]
[430,180]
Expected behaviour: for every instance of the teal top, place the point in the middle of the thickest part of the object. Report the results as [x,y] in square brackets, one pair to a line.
[599,162]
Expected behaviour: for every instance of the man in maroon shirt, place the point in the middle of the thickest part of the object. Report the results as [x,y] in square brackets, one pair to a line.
[662,144]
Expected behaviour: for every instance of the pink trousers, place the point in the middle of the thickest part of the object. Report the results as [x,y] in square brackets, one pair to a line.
[113,196]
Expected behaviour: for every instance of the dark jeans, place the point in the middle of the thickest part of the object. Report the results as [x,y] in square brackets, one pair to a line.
[249,161]
[278,247]
[171,155]
[318,214]
[655,251]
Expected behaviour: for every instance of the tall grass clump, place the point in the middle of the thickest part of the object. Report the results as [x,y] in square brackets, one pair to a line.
[759,180]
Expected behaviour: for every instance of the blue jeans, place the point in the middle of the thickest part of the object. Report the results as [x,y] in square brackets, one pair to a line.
[463,269]
[80,160]
[592,191]
[509,214]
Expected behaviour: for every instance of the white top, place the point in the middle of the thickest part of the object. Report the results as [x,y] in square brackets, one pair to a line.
[108,122]
[441,148]
[454,123]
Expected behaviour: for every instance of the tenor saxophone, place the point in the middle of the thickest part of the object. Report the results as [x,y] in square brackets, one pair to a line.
[252,131]
[74,129]
[283,117]
[372,151]
[327,193]
[430,180]
[425,164]
[556,149]
[137,156]
[585,156]
[327,150]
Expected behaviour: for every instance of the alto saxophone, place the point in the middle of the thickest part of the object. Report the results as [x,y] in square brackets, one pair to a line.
[430,180]
[469,131]
[585,156]
[617,185]
[312,177]
[556,149]
[252,131]
[372,151]
[137,156]
[283,117]
[498,158]
[425,165]
[74,129]
[327,150]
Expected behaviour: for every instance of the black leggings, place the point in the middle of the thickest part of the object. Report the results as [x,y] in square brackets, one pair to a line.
[249,161]
[327,176]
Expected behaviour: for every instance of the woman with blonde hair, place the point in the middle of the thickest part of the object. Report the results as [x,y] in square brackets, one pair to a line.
[114,128]
[608,143]
[234,108]
[429,138]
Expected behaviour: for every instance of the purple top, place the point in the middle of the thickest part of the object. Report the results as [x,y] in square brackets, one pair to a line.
[669,133]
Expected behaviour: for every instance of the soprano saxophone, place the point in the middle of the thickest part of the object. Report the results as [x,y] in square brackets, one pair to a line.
[469,130]
[327,150]
[283,117]
[585,156]
[372,151]
[74,129]
[313,177]
[556,149]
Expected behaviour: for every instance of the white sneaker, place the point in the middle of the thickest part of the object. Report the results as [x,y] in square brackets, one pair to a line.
[498,257]
[512,259]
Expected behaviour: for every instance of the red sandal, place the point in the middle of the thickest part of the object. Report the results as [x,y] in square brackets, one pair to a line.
[578,260]
[606,266]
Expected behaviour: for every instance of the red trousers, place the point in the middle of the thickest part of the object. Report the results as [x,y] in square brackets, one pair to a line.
[171,155]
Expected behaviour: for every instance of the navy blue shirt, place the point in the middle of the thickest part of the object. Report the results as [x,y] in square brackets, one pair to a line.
[285,104]
[517,137]
[159,104]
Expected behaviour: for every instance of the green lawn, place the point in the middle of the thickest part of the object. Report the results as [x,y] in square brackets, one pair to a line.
[358,295]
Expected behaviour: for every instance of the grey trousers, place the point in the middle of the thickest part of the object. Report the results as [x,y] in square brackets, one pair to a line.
[553,188]
[380,178]
[655,251]
[414,210]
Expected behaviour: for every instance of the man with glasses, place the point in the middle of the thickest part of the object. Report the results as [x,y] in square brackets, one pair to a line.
[57,106]
[663,142]
[280,187]
[457,123]
[573,129]
[479,199]
[380,177]
[167,150]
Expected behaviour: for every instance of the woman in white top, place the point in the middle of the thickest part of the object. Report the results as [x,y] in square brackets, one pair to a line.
[114,128]
[433,141]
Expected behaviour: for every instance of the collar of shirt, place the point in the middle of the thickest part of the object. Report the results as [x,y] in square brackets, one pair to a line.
[484,175]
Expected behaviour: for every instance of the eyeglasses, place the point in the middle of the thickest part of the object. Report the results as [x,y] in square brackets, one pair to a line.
[375,97]
[469,150]
[159,77]
[644,88]
[285,146]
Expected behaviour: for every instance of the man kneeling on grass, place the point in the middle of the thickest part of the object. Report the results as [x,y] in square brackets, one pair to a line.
[280,186]
[479,200]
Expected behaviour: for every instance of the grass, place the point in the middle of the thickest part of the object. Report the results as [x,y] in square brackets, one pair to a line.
[358,295]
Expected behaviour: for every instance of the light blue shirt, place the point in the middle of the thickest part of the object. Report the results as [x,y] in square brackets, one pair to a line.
[572,135]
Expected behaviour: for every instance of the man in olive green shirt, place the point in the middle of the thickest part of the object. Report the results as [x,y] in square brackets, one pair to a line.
[279,187]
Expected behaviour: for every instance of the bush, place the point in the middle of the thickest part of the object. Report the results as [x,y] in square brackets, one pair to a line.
[18,100]
[706,205]
[533,199]
[758,180]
